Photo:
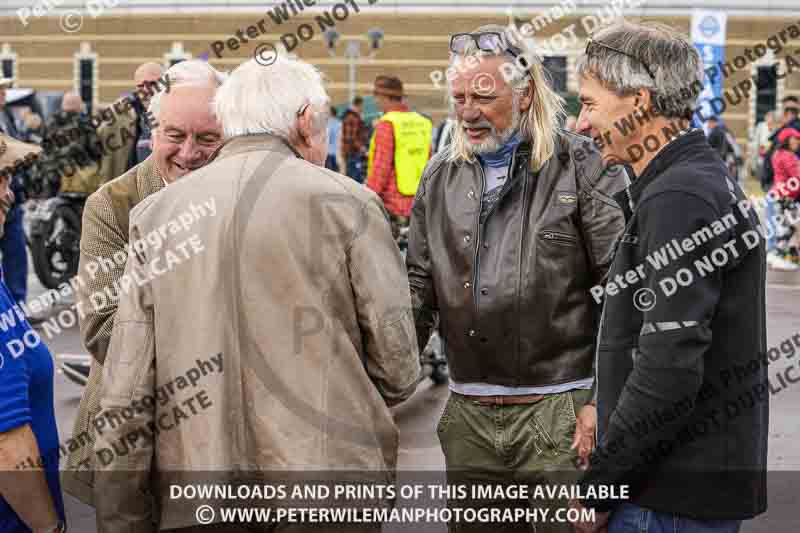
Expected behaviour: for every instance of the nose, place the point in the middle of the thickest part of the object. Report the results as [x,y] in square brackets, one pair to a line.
[469,113]
[188,151]
[582,125]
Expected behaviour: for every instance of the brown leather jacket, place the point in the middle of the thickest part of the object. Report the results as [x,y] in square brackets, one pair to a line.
[512,293]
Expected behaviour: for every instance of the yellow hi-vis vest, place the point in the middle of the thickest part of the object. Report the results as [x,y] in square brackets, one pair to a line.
[413,135]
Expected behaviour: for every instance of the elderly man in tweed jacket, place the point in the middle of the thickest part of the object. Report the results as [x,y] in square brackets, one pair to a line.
[186,137]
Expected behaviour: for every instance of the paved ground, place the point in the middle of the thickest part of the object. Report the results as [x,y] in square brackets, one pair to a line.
[417,420]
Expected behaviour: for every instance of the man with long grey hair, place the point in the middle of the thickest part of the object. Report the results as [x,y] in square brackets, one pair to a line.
[510,227]
[295,285]
[681,422]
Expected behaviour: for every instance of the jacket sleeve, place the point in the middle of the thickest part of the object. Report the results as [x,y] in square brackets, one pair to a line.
[418,263]
[380,288]
[101,240]
[123,500]
[668,364]
[602,219]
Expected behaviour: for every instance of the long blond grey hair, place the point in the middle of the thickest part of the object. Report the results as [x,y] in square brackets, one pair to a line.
[540,122]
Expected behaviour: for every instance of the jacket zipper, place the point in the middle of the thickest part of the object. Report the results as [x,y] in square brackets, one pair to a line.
[478,232]
[605,303]
[556,236]
[521,242]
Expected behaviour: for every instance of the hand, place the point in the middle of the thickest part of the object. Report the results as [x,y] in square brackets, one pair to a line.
[585,426]
[599,525]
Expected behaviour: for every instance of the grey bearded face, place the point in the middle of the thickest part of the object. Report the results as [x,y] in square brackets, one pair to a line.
[496,139]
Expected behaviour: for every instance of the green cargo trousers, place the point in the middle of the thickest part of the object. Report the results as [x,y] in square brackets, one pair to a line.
[511,444]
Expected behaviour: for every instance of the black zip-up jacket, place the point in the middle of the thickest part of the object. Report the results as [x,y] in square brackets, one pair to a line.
[682,388]
[512,291]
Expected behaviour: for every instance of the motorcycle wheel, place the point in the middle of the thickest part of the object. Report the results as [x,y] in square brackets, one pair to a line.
[55,255]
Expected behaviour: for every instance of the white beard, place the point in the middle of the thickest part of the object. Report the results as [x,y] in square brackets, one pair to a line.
[496,139]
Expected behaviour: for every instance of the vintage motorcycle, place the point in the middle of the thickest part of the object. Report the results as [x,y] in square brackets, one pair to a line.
[53,232]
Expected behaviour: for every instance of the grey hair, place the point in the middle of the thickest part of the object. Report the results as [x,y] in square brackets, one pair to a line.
[540,122]
[260,99]
[673,61]
[193,72]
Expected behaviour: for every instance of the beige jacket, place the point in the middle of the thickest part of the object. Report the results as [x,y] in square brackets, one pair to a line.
[285,275]
[104,234]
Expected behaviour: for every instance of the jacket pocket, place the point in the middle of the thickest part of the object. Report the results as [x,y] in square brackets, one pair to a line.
[559,237]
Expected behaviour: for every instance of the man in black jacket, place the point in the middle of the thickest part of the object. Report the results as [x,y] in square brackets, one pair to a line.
[682,388]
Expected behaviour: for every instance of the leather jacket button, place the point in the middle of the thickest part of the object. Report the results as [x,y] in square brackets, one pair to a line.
[467,237]
[484,291]
[486,245]
[467,284]
[471,195]
[471,333]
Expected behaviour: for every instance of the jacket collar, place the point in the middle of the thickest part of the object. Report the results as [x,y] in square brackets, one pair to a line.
[254,143]
[677,149]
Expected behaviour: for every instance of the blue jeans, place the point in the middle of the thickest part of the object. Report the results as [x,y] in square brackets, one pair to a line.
[330,163]
[15,255]
[770,216]
[630,518]
[356,167]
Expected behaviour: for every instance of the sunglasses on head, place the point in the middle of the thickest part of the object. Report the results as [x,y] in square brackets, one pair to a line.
[593,46]
[487,41]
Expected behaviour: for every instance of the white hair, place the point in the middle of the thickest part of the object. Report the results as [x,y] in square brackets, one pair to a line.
[266,99]
[194,72]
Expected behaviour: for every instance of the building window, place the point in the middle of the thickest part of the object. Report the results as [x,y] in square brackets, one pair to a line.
[8,63]
[766,97]
[556,67]
[86,82]
[86,76]
[176,55]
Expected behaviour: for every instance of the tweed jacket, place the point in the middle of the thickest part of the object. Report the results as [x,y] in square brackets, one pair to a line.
[104,239]
[279,308]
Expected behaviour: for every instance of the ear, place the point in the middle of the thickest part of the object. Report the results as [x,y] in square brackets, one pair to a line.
[305,126]
[526,99]
[643,98]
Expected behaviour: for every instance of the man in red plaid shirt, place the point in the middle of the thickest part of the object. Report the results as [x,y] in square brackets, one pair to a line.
[402,138]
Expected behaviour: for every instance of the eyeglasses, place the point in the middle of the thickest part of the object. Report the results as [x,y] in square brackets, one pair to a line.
[592,46]
[487,41]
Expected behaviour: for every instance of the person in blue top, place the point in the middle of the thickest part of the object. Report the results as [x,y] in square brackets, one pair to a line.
[30,495]
[334,127]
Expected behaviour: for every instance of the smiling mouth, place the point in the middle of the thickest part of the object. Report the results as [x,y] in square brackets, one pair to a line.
[476,132]
[185,168]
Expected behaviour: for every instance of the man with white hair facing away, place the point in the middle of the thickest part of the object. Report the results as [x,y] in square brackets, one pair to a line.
[511,226]
[297,286]
[187,135]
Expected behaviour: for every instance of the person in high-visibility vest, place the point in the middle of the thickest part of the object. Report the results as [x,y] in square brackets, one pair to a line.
[398,152]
